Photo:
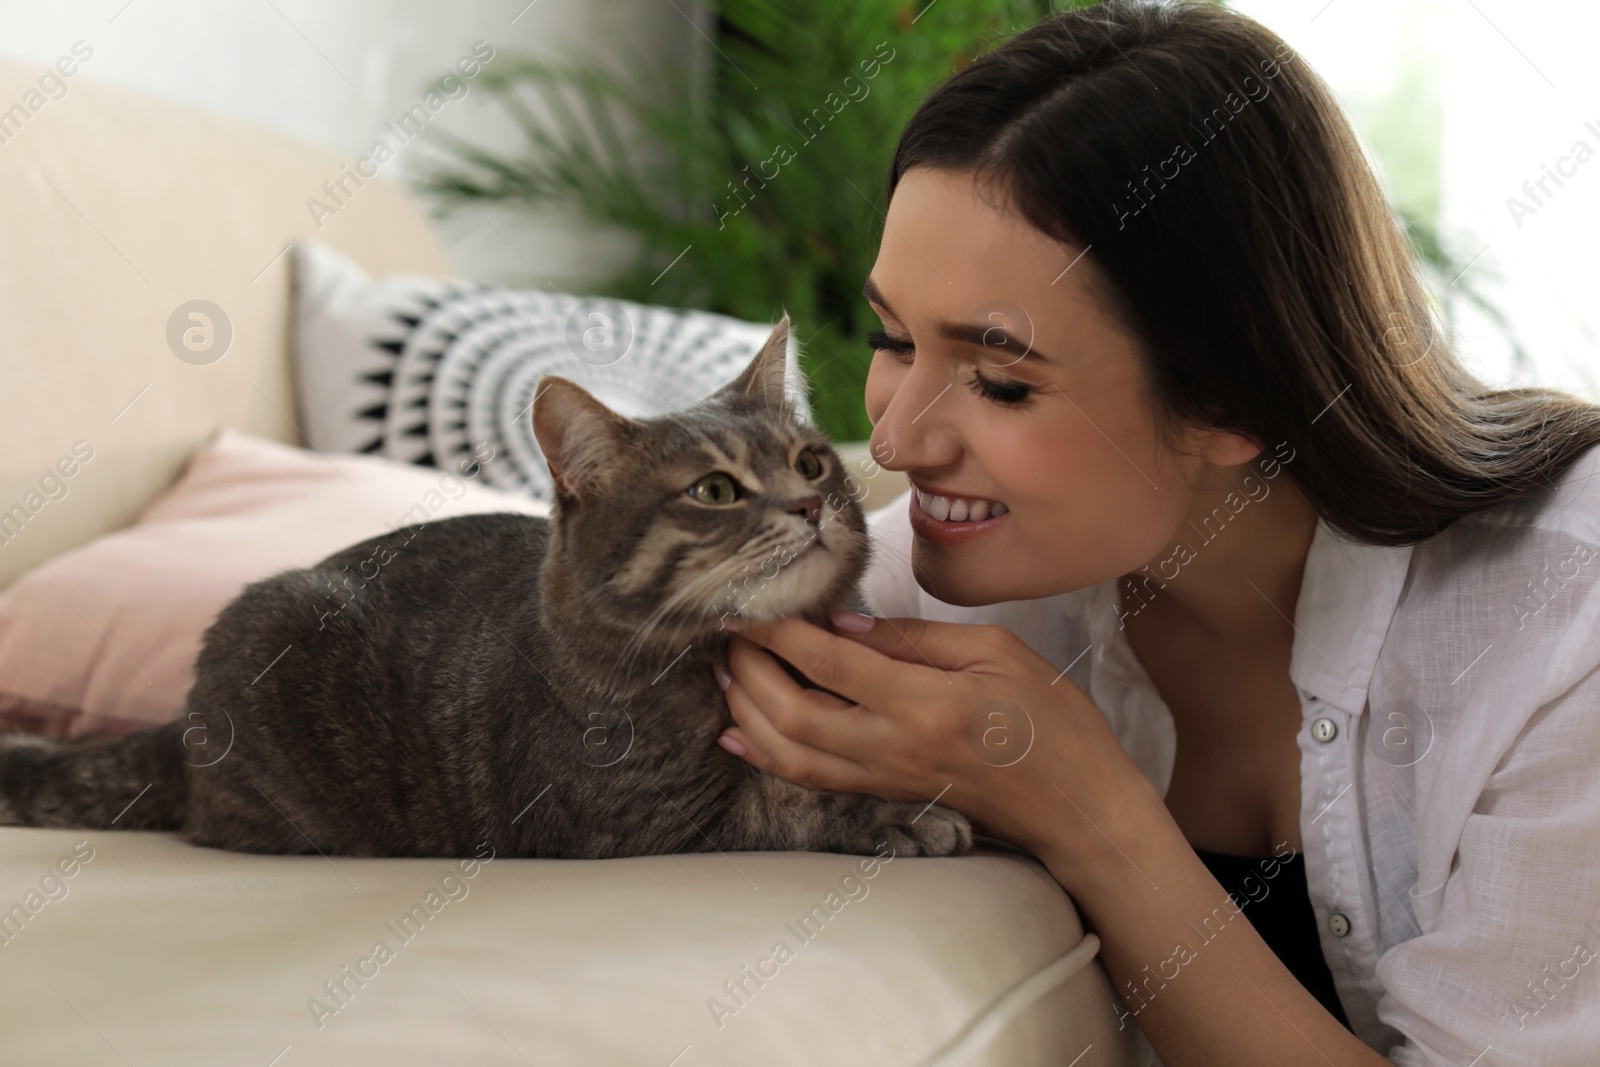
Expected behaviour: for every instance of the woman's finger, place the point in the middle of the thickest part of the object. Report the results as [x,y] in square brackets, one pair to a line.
[808,716]
[846,667]
[770,751]
[770,683]
[944,646]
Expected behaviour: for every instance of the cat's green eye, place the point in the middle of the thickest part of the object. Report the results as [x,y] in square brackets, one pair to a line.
[808,463]
[716,489]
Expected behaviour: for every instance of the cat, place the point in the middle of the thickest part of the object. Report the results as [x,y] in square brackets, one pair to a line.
[542,684]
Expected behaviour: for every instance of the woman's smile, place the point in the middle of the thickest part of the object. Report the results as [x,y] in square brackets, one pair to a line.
[964,520]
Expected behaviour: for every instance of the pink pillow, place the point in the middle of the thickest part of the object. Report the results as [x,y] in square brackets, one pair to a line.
[102,639]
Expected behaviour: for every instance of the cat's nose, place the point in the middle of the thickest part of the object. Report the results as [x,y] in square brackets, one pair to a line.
[809,509]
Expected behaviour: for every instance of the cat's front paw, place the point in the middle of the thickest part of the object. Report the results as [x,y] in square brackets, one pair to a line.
[912,831]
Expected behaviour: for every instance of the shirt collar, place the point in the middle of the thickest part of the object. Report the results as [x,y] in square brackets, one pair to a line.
[1348,595]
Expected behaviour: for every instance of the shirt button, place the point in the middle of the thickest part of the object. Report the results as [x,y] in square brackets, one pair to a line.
[1324,730]
[1338,924]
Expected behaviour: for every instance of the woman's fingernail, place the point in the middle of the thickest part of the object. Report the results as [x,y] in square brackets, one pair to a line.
[727,742]
[724,679]
[851,622]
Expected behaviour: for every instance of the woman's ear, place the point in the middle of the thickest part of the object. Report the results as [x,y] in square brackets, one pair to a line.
[1227,449]
[1220,448]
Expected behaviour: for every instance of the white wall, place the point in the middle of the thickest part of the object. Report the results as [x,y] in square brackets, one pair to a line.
[335,73]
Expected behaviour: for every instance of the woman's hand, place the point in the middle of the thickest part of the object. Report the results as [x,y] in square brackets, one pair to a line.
[965,714]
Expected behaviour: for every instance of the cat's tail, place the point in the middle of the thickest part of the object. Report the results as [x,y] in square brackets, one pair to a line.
[134,782]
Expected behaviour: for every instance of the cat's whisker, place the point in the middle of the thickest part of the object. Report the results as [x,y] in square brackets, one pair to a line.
[704,584]
[663,610]
[709,582]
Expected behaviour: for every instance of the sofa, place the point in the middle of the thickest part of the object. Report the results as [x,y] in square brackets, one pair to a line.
[134,947]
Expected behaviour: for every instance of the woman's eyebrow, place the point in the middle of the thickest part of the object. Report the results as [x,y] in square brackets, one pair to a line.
[990,336]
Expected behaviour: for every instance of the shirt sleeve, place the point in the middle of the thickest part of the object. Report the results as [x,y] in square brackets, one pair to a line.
[1510,972]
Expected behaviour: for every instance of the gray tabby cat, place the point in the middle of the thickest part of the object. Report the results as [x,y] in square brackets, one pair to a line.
[540,684]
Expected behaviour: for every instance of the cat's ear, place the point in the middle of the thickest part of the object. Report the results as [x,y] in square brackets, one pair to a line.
[583,440]
[764,378]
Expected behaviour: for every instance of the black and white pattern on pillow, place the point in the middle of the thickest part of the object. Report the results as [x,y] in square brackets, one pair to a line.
[427,371]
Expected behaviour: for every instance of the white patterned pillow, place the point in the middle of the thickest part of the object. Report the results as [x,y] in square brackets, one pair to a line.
[429,371]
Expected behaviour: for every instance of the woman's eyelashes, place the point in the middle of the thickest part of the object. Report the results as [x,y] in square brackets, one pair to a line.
[999,391]
[880,341]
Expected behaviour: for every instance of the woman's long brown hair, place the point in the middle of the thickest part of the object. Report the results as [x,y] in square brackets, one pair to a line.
[1251,252]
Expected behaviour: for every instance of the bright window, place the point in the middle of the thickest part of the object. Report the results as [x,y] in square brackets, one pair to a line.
[1484,118]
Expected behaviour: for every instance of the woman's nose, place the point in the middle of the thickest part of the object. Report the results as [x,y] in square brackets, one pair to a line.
[915,431]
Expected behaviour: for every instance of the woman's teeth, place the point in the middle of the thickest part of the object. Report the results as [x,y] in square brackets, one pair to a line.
[945,509]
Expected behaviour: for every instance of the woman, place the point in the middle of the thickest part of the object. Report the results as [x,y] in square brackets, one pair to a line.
[1268,591]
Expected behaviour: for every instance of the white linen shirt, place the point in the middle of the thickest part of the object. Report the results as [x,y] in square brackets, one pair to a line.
[1449,764]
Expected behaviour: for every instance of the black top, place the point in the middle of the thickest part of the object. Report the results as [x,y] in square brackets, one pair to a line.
[1279,907]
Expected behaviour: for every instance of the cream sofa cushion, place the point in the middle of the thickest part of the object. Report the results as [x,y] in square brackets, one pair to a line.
[186,956]
[119,208]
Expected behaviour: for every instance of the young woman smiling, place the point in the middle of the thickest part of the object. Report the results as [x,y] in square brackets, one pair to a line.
[1135,274]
